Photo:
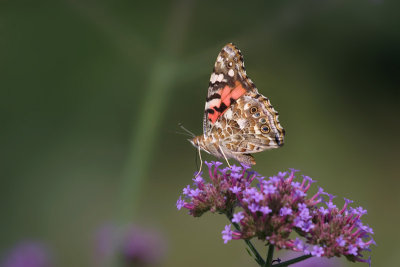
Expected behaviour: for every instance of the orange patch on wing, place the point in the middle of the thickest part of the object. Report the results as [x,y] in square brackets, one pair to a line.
[233,93]
[227,93]
[213,117]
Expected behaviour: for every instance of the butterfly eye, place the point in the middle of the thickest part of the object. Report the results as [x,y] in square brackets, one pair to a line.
[263,120]
[253,110]
[256,115]
[264,129]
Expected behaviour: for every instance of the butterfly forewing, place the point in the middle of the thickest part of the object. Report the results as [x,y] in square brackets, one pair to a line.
[228,82]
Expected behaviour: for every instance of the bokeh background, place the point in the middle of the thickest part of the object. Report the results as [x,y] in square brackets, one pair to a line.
[92,92]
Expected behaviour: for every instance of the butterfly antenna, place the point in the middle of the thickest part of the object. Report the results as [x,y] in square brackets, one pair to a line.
[223,154]
[182,133]
[201,163]
[186,130]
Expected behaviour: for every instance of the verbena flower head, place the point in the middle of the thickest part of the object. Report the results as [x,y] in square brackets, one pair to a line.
[28,254]
[277,206]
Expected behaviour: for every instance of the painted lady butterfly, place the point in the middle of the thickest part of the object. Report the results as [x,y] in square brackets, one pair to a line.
[238,120]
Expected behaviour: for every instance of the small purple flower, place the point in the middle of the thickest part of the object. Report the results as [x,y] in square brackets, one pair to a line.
[300,193]
[237,217]
[359,211]
[305,214]
[258,197]
[236,189]
[245,200]
[331,205]
[296,184]
[317,251]
[298,222]
[282,174]
[253,207]
[308,178]
[323,211]
[269,189]
[340,241]
[360,243]
[209,164]
[366,228]
[236,175]
[250,191]
[260,178]
[198,180]
[194,192]
[227,234]
[216,163]
[299,244]
[180,203]
[285,211]
[265,210]
[307,226]
[186,190]
[274,179]
[352,250]
[235,168]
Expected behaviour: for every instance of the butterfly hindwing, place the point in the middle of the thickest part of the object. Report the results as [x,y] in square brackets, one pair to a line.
[251,125]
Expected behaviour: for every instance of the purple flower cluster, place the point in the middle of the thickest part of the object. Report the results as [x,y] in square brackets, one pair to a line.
[275,208]
[28,254]
[133,245]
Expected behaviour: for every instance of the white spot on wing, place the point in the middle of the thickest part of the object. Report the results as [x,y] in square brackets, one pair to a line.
[228,114]
[231,72]
[213,103]
[213,78]
[220,77]
[242,123]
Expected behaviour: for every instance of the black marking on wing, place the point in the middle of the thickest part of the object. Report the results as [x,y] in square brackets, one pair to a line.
[214,96]
[221,108]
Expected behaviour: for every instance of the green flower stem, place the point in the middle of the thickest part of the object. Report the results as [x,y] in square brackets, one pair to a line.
[257,255]
[268,262]
[287,263]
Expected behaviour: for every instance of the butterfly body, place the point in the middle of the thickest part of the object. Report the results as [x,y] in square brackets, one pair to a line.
[238,120]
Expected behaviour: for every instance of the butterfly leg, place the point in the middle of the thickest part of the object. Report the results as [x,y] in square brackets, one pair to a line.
[201,163]
[223,154]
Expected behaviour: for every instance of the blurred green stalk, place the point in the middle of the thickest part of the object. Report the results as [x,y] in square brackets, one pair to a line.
[146,125]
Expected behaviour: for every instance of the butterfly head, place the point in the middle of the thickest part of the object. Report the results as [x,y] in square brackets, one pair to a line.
[199,143]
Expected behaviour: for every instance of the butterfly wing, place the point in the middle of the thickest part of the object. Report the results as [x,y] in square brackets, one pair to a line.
[228,82]
[252,126]
[242,120]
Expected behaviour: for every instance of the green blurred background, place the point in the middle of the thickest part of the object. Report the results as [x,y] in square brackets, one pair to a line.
[92,93]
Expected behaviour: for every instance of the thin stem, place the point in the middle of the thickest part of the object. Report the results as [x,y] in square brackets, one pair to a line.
[268,262]
[287,263]
[257,255]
